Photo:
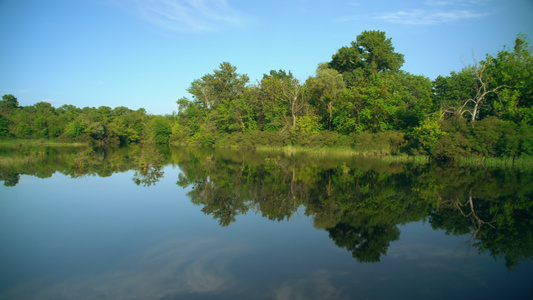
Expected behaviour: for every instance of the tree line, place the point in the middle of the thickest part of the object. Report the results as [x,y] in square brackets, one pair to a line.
[359,99]
[97,126]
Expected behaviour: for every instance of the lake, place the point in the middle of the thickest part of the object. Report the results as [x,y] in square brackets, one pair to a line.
[149,222]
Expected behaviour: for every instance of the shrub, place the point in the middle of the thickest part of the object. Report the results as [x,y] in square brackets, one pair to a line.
[450,147]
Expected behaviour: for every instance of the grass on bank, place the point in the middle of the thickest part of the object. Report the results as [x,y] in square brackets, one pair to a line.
[310,151]
[470,161]
[521,161]
[39,142]
[343,152]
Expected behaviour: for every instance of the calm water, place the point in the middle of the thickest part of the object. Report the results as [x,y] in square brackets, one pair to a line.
[154,223]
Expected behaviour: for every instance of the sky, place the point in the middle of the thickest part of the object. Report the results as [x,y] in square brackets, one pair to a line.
[145,53]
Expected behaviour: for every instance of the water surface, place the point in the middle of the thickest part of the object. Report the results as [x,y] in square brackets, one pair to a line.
[157,223]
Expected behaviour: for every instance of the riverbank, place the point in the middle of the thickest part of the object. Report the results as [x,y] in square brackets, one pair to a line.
[40,142]
[290,150]
[343,152]
[386,155]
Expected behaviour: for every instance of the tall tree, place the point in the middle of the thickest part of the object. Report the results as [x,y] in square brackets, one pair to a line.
[238,114]
[223,85]
[383,101]
[483,89]
[416,103]
[466,93]
[372,52]
[376,95]
[513,71]
[449,92]
[281,88]
[324,89]
[8,104]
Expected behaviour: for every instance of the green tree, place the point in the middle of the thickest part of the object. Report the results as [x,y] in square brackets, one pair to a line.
[450,92]
[416,104]
[282,94]
[76,128]
[372,52]
[218,99]
[483,89]
[4,126]
[370,105]
[378,96]
[45,123]
[513,71]
[225,84]
[8,104]
[237,115]
[190,116]
[158,130]
[324,90]
[427,134]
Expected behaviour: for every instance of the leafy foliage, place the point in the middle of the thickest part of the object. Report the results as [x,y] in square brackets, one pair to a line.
[356,99]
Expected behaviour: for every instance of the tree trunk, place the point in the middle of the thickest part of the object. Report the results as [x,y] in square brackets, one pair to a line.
[474,112]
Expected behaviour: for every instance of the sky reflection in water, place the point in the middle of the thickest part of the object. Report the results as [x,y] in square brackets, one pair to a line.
[107,238]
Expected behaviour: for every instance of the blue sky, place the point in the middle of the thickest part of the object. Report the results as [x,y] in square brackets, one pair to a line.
[145,53]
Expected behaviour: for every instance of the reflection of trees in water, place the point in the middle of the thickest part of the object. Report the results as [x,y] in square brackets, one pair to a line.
[359,203]
[361,207]
[148,161]
[366,242]
[10,179]
[470,213]
[503,226]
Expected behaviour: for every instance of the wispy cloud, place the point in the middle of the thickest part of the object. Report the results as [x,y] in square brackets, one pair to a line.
[189,15]
[51,101]
[440,2]
[23,91]
[425,17]
[453,2]
[430,12]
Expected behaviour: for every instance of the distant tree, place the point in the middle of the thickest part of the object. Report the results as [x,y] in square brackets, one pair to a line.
[76,128]
[4,126]
[190,116]
[8,104]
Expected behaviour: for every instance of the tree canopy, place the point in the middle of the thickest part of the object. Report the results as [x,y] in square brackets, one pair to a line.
[370,53]
[355,100]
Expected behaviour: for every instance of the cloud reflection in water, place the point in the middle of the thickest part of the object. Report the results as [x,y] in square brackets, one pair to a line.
[164,271]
